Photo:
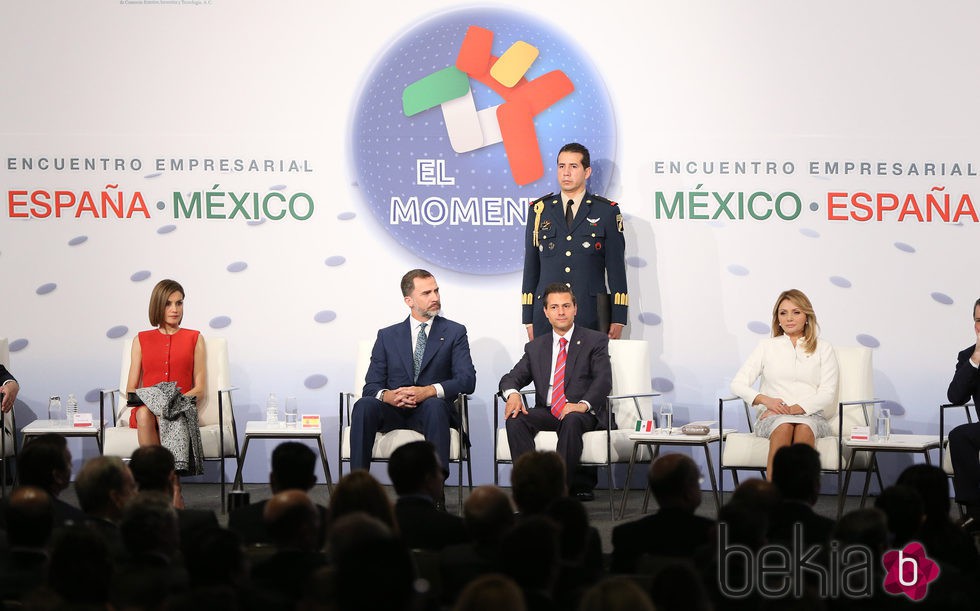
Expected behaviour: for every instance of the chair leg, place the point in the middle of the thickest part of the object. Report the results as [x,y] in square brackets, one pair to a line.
[459,467]
[612,491]
[223,500]
[735,477]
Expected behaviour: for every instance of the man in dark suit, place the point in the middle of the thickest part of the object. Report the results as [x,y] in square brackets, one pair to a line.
[964,440]
[46,463]
[575,237]
[417,476]
[8,388]
[673,531]
[293,468]
[418,368]
[153,469]
[796,475]
[572,378]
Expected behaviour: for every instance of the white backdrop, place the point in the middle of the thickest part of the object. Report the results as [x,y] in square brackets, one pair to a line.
[692,82]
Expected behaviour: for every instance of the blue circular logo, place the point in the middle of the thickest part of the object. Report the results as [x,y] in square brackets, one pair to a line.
[445,156]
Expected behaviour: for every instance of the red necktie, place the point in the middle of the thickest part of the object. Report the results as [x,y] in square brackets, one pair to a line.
[558,392]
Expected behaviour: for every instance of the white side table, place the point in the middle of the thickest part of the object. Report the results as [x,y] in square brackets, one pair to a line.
[676,438]
[260,429]
[61,427]
[908,444]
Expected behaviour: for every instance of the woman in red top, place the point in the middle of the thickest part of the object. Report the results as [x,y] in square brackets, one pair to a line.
[165,354]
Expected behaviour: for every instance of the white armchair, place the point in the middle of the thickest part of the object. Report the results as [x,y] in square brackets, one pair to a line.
[8,426]
[386,443]
[215,413]
[631,399]
[746,451]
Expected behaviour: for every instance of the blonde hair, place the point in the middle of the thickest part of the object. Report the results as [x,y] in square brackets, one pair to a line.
[810,330]
[158,300]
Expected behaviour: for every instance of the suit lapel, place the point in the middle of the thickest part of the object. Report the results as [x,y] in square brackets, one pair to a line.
[405,346]
[433,342]
[544,366]
[574,345]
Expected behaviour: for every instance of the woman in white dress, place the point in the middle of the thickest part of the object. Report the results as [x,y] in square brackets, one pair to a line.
[799,376]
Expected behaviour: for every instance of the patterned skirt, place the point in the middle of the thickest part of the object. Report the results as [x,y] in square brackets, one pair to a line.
[817,423]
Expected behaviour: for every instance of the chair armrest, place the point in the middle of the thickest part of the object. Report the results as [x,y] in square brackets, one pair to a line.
[111,393]
[942,415]
[865,405]
[942,425]
[346,404]
[721,413]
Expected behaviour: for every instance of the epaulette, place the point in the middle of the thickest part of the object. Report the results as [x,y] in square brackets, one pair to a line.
[603,200]
[542,198]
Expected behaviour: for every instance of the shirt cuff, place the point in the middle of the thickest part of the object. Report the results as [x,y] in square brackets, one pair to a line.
[439,391]
[507,393]
[380,393]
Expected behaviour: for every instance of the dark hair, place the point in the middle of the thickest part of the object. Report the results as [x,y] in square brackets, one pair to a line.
[149,525]
[556,288]
[669,478]
[359,491]
[537,479]
[292,466]
[411,464]
[29,516]
[39,460]
[575,147]
[408,280]
[933,488]
[976,304]
[158,299]
[904,511]
[796,472]
[151,467]
[97,478]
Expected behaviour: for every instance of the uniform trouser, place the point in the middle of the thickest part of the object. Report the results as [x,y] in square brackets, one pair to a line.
[964,452]
[432,418]
[521,432]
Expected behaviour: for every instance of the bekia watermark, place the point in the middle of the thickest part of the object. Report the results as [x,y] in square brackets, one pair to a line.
[834,571]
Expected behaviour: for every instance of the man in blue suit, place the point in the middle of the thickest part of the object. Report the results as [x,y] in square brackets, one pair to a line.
[964,440]
[572,376]
[418,368]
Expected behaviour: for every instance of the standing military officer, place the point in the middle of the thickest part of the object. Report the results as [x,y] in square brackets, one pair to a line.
[576,238]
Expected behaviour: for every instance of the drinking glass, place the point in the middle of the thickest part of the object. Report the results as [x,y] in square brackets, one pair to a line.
[666,418]
[292,413]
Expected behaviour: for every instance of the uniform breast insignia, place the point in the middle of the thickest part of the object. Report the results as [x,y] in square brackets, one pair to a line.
[538,209]
[545,225]
[586,244]
[598,245]
[551,246]
[592,222]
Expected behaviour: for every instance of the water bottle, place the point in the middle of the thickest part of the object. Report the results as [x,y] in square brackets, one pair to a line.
[292,413]
[884,428]
[55,412]
[272,410]
[71,409]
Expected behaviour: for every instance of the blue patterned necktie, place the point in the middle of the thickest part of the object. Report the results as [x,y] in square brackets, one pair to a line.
[419,349]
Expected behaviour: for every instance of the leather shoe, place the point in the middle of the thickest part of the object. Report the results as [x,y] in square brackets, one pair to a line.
[584,496]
